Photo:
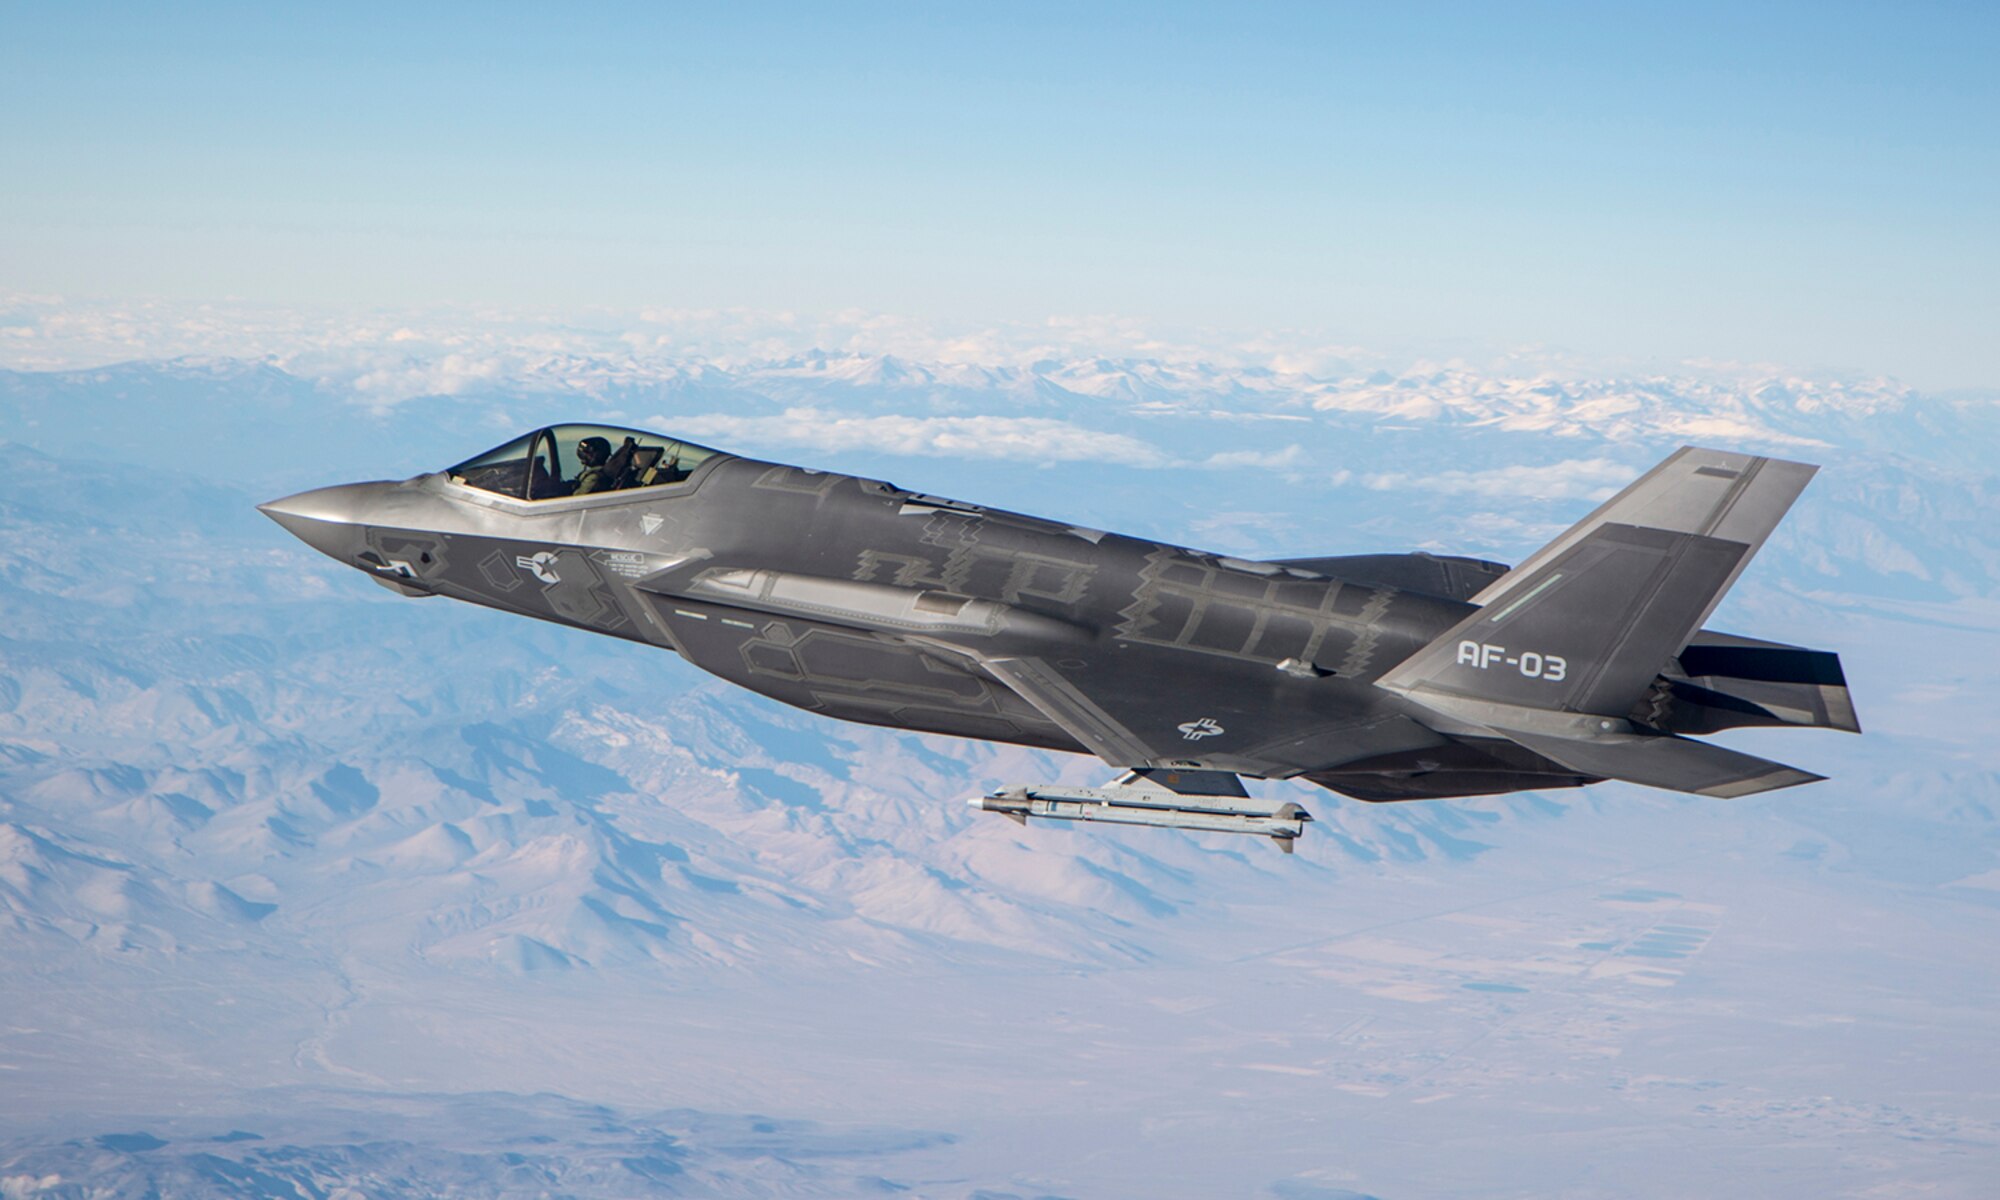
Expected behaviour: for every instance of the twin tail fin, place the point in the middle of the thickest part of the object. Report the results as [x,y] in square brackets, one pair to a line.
[1566,646]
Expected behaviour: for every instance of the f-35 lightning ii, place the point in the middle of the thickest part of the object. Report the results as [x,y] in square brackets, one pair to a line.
[1380,676]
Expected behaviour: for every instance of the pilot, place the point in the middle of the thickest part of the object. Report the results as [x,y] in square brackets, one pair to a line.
[592,452]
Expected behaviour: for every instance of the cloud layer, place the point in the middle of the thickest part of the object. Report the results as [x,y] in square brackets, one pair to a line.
[1031,441]
[1065,390]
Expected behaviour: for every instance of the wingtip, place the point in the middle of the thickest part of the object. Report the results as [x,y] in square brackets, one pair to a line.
[1770,781]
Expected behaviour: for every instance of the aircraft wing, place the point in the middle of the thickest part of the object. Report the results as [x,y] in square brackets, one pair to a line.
[1069,706]
[1132,711]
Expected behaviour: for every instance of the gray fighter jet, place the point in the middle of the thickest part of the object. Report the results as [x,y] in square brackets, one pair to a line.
[1379,676]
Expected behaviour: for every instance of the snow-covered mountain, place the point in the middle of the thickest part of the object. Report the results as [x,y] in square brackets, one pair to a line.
[274,844]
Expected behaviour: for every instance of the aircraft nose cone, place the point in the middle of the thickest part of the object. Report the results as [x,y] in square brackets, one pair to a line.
[328,519]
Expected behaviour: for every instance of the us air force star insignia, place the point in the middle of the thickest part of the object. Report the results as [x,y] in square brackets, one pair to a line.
[650,522]
[542,566]
[1196,730]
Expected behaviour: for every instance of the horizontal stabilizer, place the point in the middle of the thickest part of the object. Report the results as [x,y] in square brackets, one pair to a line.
[1734,681]
[1665,761]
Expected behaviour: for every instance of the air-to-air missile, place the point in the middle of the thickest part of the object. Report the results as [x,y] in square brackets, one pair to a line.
[1380,676]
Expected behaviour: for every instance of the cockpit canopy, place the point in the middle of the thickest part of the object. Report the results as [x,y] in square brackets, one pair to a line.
[580,460]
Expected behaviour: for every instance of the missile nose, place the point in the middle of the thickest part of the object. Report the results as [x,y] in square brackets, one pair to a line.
[329,519]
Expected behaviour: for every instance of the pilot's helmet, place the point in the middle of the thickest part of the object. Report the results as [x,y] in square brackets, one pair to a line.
[593,450]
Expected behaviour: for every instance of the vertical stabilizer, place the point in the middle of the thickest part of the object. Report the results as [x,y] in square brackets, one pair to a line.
[1587,622]
[1714,493]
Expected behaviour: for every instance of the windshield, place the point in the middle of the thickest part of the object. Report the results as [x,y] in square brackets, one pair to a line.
[580,460]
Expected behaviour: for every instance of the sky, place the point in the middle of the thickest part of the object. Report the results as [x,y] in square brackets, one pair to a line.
[1811,185]
[264,825]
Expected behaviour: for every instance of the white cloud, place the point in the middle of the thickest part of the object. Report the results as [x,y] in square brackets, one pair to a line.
[1028,440]
[1572,479]
[1290,456]
[382,357]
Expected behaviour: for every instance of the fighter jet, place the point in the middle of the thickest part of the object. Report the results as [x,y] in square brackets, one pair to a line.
[1383,677]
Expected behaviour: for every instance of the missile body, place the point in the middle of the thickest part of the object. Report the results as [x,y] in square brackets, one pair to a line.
[1142,803]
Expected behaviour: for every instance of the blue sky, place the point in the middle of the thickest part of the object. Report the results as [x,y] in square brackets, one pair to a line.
[1809,185]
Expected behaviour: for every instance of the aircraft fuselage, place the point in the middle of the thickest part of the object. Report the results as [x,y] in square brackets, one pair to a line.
[856,599]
